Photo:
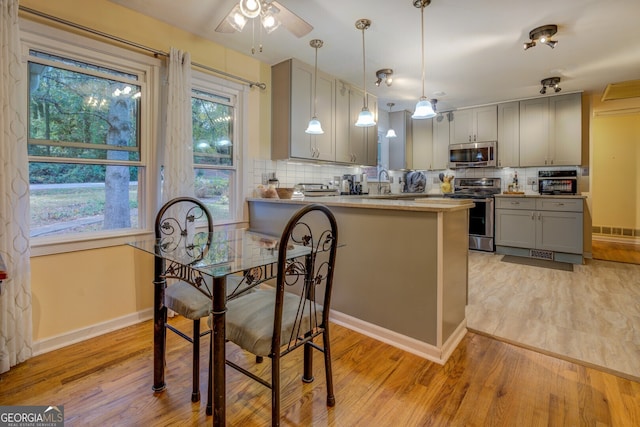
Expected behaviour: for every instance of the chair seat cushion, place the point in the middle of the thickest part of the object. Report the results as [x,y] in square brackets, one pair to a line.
[249,320]
[187,301]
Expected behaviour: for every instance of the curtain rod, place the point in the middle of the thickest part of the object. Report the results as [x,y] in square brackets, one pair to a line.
[138,46]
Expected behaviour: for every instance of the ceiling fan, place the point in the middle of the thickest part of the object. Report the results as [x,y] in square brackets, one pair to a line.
[270,14]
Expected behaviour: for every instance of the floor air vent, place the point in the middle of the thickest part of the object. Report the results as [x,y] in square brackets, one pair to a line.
[539,254]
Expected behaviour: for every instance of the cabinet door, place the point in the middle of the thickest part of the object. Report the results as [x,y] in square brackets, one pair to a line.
[325,143]
[357,135]
[565,126]
[343,122]
[515,228]
[423,144]
[461,126]
[401,147]
[441,128]
[534,132]
[509,134]
[371,137]
[485,124]
[559,231]
[301,111]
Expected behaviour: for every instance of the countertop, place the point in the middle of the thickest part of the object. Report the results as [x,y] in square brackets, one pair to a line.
[421,203]
[546,196]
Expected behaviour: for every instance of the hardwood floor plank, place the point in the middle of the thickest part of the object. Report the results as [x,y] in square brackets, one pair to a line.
[106,381]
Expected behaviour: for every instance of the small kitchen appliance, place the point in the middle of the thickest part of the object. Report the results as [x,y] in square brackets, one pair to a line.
[558,182]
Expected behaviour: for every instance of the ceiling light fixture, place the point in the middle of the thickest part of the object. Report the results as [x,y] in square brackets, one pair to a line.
[550,82]
[390,133]
[315,128]
[385,74]
[267,12]
[365,118]
[424,110]
[543,35]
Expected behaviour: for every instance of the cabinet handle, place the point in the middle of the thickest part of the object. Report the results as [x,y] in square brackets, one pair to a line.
[539,216]
[533,215]
[515,203]
[559,204]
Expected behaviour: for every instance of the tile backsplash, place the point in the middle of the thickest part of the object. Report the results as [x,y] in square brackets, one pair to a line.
[290,173]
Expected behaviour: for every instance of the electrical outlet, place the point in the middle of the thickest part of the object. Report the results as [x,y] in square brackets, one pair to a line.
[532,181]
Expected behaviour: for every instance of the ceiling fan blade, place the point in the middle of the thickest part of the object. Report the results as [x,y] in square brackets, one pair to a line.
[292,22]
[224,26]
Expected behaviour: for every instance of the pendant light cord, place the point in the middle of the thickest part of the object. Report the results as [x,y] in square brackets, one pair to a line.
[364,73]
[422,35]
[315,85]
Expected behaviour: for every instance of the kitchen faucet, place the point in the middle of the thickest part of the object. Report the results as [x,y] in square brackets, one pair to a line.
[380,179]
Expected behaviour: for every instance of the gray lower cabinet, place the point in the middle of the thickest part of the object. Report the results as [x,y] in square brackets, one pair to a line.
[548,228]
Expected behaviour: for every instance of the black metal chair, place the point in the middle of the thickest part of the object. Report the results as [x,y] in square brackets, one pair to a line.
[273,322]
[175,225]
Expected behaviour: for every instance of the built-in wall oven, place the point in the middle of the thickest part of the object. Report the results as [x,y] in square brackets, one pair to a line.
[481,216]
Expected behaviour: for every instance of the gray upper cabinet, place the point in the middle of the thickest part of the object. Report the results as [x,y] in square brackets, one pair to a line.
[401,147]
[551,131]
[509,134]
[292,108]
[422,144]
[441,137]
[474,125]
[361,145]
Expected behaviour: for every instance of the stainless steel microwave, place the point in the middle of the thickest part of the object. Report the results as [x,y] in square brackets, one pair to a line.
[473,155]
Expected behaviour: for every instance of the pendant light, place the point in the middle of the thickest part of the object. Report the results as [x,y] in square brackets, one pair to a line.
[424,110]
[365,118]
[390,133]
[315,128]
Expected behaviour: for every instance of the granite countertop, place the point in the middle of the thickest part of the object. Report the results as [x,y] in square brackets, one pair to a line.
[424,204]
[553,196]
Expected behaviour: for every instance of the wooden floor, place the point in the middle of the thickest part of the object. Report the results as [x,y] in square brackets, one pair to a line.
[614,251]
[106,381]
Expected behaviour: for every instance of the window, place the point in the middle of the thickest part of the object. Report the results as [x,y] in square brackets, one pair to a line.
[87,120]
[214,112]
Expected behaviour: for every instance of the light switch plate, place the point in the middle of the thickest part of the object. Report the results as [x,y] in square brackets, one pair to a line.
[532,181]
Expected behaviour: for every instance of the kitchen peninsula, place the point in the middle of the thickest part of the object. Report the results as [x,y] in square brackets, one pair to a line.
[401,274]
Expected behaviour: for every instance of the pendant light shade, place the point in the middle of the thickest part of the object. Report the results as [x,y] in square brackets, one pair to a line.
[424,109]
[365,118]
[390,133]
[314,127]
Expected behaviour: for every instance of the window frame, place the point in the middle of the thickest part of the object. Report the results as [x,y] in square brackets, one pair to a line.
[39,37]
[208,83]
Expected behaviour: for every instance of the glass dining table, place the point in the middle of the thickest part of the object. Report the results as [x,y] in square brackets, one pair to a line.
[252,256]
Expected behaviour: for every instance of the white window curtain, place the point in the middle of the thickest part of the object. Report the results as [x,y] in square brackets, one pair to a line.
[15,292]
[178,176]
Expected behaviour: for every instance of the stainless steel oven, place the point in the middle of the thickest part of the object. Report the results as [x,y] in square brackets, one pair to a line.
[481,217]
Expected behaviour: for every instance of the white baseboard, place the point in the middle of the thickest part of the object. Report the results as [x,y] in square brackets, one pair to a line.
[403,342]
[53,343]
[616,239]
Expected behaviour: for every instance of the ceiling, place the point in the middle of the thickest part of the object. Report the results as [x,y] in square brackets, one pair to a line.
[473,49]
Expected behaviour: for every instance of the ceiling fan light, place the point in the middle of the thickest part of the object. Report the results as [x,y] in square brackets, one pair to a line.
[250,8]
[424,110]
[365,119]
[391,134]
[236,19]
[315,127]
[269,22]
